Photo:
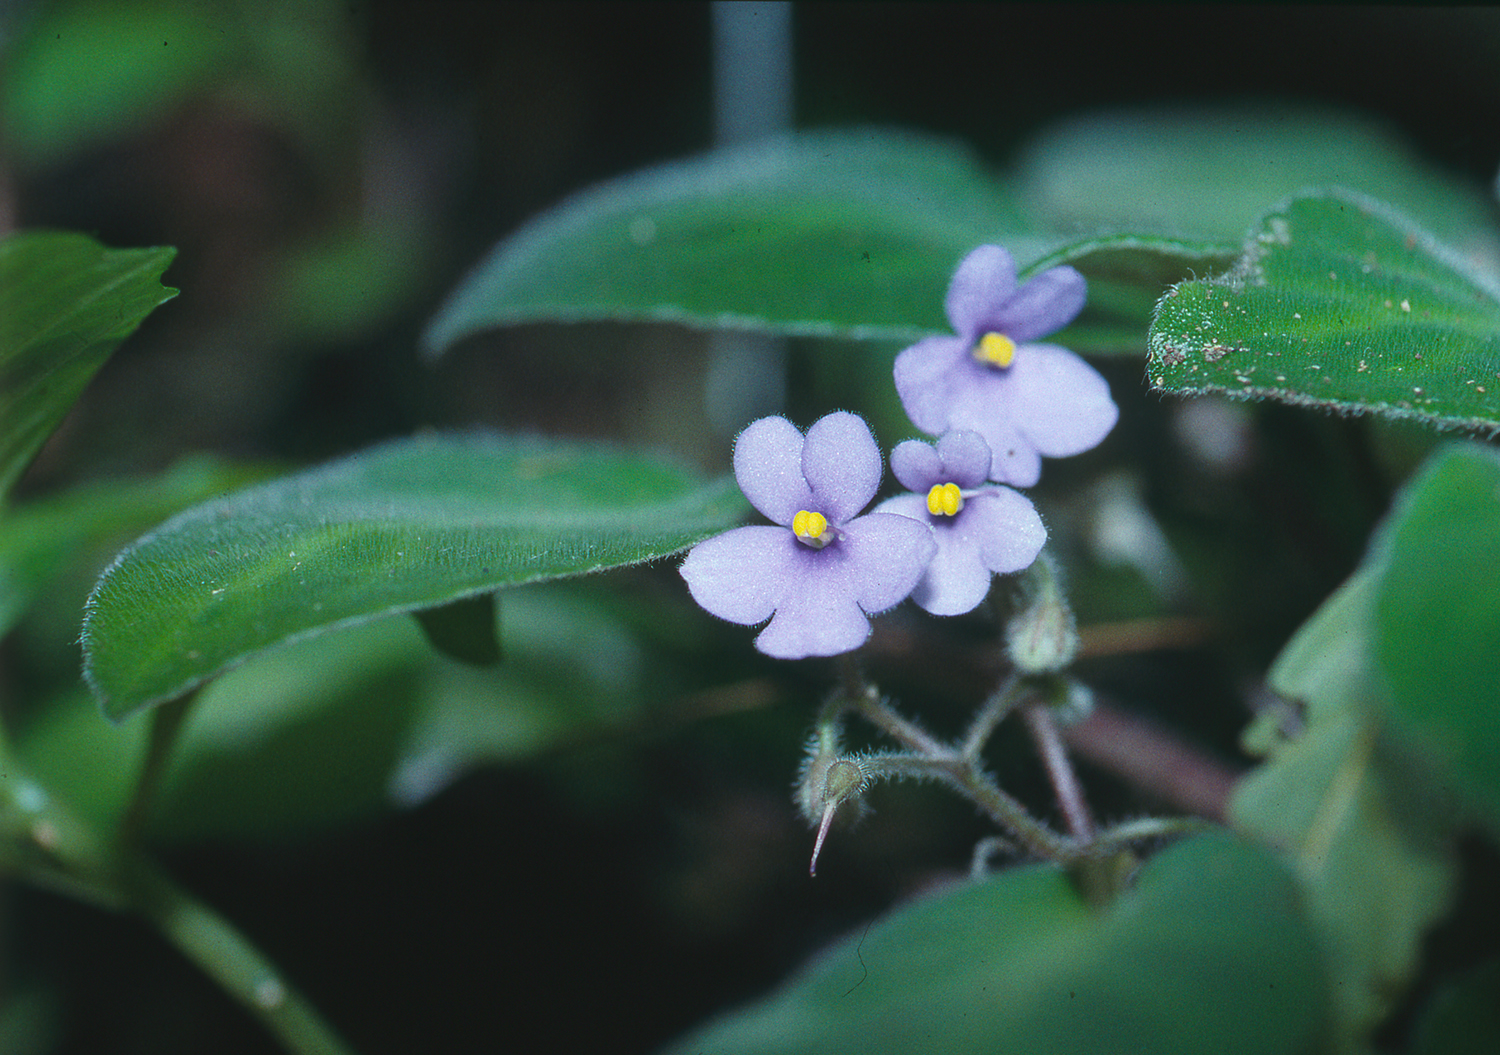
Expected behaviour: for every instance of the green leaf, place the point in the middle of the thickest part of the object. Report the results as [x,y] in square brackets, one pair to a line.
[1210,171]
[1437,617]
[349,724]
[408,525]
[1339,302]
[851,233]
[1359,827]
[1208,953]
[66,303]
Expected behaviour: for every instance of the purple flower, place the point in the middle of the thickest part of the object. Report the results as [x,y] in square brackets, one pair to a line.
[1025,399]
[819,574]
[979,530]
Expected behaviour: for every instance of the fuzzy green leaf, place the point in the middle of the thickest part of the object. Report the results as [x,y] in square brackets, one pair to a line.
[408,525]
[849,234]
[1339,302]
[1207,953]
[1359,826]
[66,303]
[1437,617]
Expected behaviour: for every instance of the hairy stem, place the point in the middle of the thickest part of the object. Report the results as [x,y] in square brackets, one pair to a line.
[1049,743]
[999,704]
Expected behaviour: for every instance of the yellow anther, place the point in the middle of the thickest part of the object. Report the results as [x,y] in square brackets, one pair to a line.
[811,528]
[944,500]
[996,349]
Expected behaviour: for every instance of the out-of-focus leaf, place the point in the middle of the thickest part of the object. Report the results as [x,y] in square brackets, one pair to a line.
[1339,302]
[347,724]
[1210,172]
[1209,952]
[1436,631]
[66,303]
[851,233]
[41,539]
[87,73]
[83,74]
[411,524]
[1370,847]
[1463,1017]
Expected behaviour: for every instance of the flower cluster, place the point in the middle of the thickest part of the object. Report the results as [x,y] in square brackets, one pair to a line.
[997,401]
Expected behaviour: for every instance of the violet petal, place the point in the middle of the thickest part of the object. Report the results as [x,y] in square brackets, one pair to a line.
[984,280]
[841,465]
[1044,304]
[743,574]
[1060,403]
[965,456]
[929,376]
[887,556]
[916,465]
[768,468]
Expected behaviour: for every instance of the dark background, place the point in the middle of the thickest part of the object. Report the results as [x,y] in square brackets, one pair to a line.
[523,909]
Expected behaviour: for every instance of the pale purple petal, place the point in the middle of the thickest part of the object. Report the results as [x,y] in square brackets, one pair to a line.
[996,531]
[1014,459]
[928,376]
[841,465]
[985,279]
[987,401]
[1044,304]
[1007,528]
[768,468]
[811,626]
[965,456]
[886,557]
[743,574]
[917,466]
[1060,403]
[956,580]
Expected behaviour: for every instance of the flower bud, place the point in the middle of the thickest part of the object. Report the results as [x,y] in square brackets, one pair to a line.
[829,780]
[1042,638]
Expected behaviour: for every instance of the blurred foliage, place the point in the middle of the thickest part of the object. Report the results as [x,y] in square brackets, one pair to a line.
[613,792]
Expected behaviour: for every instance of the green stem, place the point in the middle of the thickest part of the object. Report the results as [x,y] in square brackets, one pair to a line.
[44,843]
[228,957]
[902,730]
[1000,703]
[167,721]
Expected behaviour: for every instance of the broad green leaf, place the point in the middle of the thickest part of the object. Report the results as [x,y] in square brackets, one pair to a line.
[1359,828]
[1208,953]
[1437,617]
[66,303]
[851,233]
[408,525]
[345,725]
[1339,302]
[1210,171]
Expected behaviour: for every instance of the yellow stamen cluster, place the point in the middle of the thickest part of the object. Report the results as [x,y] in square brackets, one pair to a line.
[995,349]
[944,500]
[811,529]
